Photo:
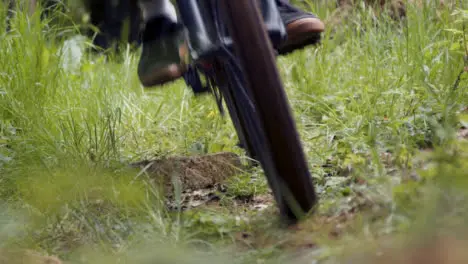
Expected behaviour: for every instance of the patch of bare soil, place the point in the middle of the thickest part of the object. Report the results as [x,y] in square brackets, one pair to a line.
[211,197]
[25,257]
[307,235]
[297,242]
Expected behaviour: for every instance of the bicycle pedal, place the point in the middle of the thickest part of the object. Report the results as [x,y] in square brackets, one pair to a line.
[193,80]
[207,66]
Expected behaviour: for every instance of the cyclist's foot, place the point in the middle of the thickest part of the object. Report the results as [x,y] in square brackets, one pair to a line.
[303,28]
[301,33]
[163,48]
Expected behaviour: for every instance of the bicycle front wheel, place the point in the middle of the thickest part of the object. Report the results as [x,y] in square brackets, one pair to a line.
[272,134]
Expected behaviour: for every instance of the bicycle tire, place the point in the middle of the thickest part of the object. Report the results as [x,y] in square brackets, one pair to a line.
[225,83]
[280,151]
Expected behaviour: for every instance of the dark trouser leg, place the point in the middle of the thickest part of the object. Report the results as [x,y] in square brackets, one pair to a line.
[136,20]
[116,21]
[290,13]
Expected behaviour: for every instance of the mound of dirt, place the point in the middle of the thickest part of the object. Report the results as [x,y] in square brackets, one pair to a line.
[192,173]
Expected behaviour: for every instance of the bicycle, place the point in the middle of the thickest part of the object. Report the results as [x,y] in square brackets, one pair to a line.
[232,45]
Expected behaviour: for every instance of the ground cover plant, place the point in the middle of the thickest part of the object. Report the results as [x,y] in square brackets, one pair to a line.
[381,106]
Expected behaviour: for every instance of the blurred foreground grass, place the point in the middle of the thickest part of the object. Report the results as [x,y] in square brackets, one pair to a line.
[379,110]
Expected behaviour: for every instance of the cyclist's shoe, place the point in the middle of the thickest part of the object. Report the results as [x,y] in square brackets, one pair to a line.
[303,28]
[163,47]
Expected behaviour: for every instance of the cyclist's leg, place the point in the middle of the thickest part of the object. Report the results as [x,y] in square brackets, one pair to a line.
[158,8]
[162,39]
[110,18]
[303,28]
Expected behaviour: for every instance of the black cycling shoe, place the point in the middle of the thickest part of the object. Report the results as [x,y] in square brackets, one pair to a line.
[303,28]
[163,47]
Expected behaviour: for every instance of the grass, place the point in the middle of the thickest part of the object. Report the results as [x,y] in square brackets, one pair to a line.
[367,102]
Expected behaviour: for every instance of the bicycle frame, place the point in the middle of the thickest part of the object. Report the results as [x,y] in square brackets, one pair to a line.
[208,36]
